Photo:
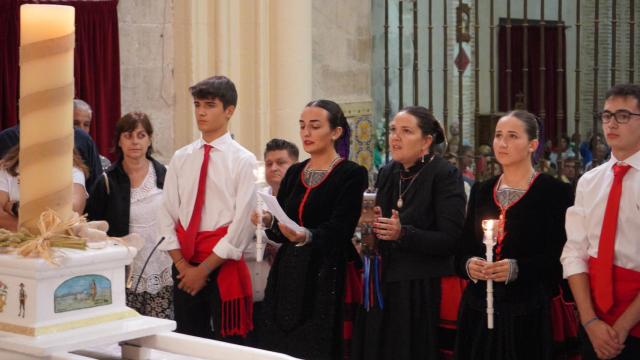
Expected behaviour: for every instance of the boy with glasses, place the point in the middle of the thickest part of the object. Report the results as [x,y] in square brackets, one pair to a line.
[601,258]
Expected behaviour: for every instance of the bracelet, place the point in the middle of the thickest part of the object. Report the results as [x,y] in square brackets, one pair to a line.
[206,267]
[273,219]
[590,321]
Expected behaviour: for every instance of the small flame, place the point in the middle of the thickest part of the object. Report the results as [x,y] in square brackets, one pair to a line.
[489,225]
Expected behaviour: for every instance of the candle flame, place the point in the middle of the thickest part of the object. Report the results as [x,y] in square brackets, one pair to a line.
[489,224]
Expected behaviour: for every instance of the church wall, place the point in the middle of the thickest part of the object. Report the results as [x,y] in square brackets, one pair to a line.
[147,64]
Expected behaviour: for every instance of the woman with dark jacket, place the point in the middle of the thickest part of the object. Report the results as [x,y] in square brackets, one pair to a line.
[127,197]
[526,272]
[420,214]
[307,288]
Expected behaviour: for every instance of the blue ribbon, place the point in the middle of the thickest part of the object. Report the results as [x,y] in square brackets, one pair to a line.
[376,279]
[365,288]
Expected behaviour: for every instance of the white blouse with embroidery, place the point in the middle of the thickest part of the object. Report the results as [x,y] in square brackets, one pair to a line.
[145,200]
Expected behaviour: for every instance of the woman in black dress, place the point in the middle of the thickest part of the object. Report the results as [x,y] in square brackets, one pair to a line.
[303,305]
[421,204]
[526,271]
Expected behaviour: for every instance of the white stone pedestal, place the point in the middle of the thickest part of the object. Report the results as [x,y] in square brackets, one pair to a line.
[81,304]
[86,288]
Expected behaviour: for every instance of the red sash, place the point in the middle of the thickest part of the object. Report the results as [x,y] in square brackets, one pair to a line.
[626,286]
[234,280]
[452,288]
[352,299]
[564,321]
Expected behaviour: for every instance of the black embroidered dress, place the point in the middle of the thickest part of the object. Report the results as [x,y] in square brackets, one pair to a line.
[534,236]
[304,295]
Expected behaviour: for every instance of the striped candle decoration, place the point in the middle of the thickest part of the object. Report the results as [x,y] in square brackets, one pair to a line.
[47,39]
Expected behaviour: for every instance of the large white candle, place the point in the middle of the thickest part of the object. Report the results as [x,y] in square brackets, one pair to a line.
[46,110]
[488,226]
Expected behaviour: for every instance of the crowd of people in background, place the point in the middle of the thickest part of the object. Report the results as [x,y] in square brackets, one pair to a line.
[567,160]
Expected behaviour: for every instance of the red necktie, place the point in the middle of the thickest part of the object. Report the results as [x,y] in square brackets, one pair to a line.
[196,215]
[603,281]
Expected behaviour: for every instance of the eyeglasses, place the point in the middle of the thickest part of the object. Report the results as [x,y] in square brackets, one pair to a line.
[621,116]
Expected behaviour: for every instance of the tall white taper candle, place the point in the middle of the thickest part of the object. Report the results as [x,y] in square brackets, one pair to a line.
[488,227]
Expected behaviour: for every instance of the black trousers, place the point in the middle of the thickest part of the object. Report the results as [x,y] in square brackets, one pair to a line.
[200,315]
[631,348]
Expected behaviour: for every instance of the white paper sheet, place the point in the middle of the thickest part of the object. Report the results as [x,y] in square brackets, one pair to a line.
[274,208]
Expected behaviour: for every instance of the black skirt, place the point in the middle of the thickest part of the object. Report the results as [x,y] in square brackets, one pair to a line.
[407,328]
[302,308]
[521,330]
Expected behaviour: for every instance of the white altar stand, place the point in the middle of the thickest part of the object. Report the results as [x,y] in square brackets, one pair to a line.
[137,336]
[52,320]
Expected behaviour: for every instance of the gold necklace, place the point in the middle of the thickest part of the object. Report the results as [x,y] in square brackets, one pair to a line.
[401,193]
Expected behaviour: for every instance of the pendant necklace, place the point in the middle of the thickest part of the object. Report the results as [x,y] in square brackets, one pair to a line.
[401,193]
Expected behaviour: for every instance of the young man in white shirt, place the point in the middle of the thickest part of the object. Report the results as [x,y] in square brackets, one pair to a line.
[601,258]
[209,194]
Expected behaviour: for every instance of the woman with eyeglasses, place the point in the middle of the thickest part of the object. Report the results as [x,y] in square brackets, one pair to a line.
[526,272]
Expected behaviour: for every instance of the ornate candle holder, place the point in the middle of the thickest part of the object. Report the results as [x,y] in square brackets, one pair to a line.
[368,241]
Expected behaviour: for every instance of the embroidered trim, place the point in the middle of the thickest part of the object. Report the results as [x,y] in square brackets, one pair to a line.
[503,212]
[147,188]
[334,164]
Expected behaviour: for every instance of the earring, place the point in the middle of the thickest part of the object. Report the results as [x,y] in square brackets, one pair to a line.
[423,159]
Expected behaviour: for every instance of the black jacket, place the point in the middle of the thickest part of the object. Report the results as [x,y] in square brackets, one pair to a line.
[432,218]
[114,206]
[534,237]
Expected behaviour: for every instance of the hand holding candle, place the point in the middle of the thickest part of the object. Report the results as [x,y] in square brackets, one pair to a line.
[488,227]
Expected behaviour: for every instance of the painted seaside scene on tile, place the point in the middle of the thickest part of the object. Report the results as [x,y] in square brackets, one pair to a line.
[82,292]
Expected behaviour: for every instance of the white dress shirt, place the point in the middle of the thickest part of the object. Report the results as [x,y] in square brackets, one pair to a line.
[584,219]
[229,198]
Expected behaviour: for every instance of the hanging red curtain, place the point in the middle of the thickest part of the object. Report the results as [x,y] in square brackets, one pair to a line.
[553,97]
[96,68]
[9,63]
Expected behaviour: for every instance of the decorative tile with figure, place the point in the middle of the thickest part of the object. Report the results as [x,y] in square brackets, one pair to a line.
[81,292]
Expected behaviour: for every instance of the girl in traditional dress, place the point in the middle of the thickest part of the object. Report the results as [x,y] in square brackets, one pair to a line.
[421,204]
[305,294]
[526,271]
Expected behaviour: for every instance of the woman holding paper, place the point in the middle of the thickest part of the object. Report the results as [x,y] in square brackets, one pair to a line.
[310,277]
[529,238]
[419,217]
